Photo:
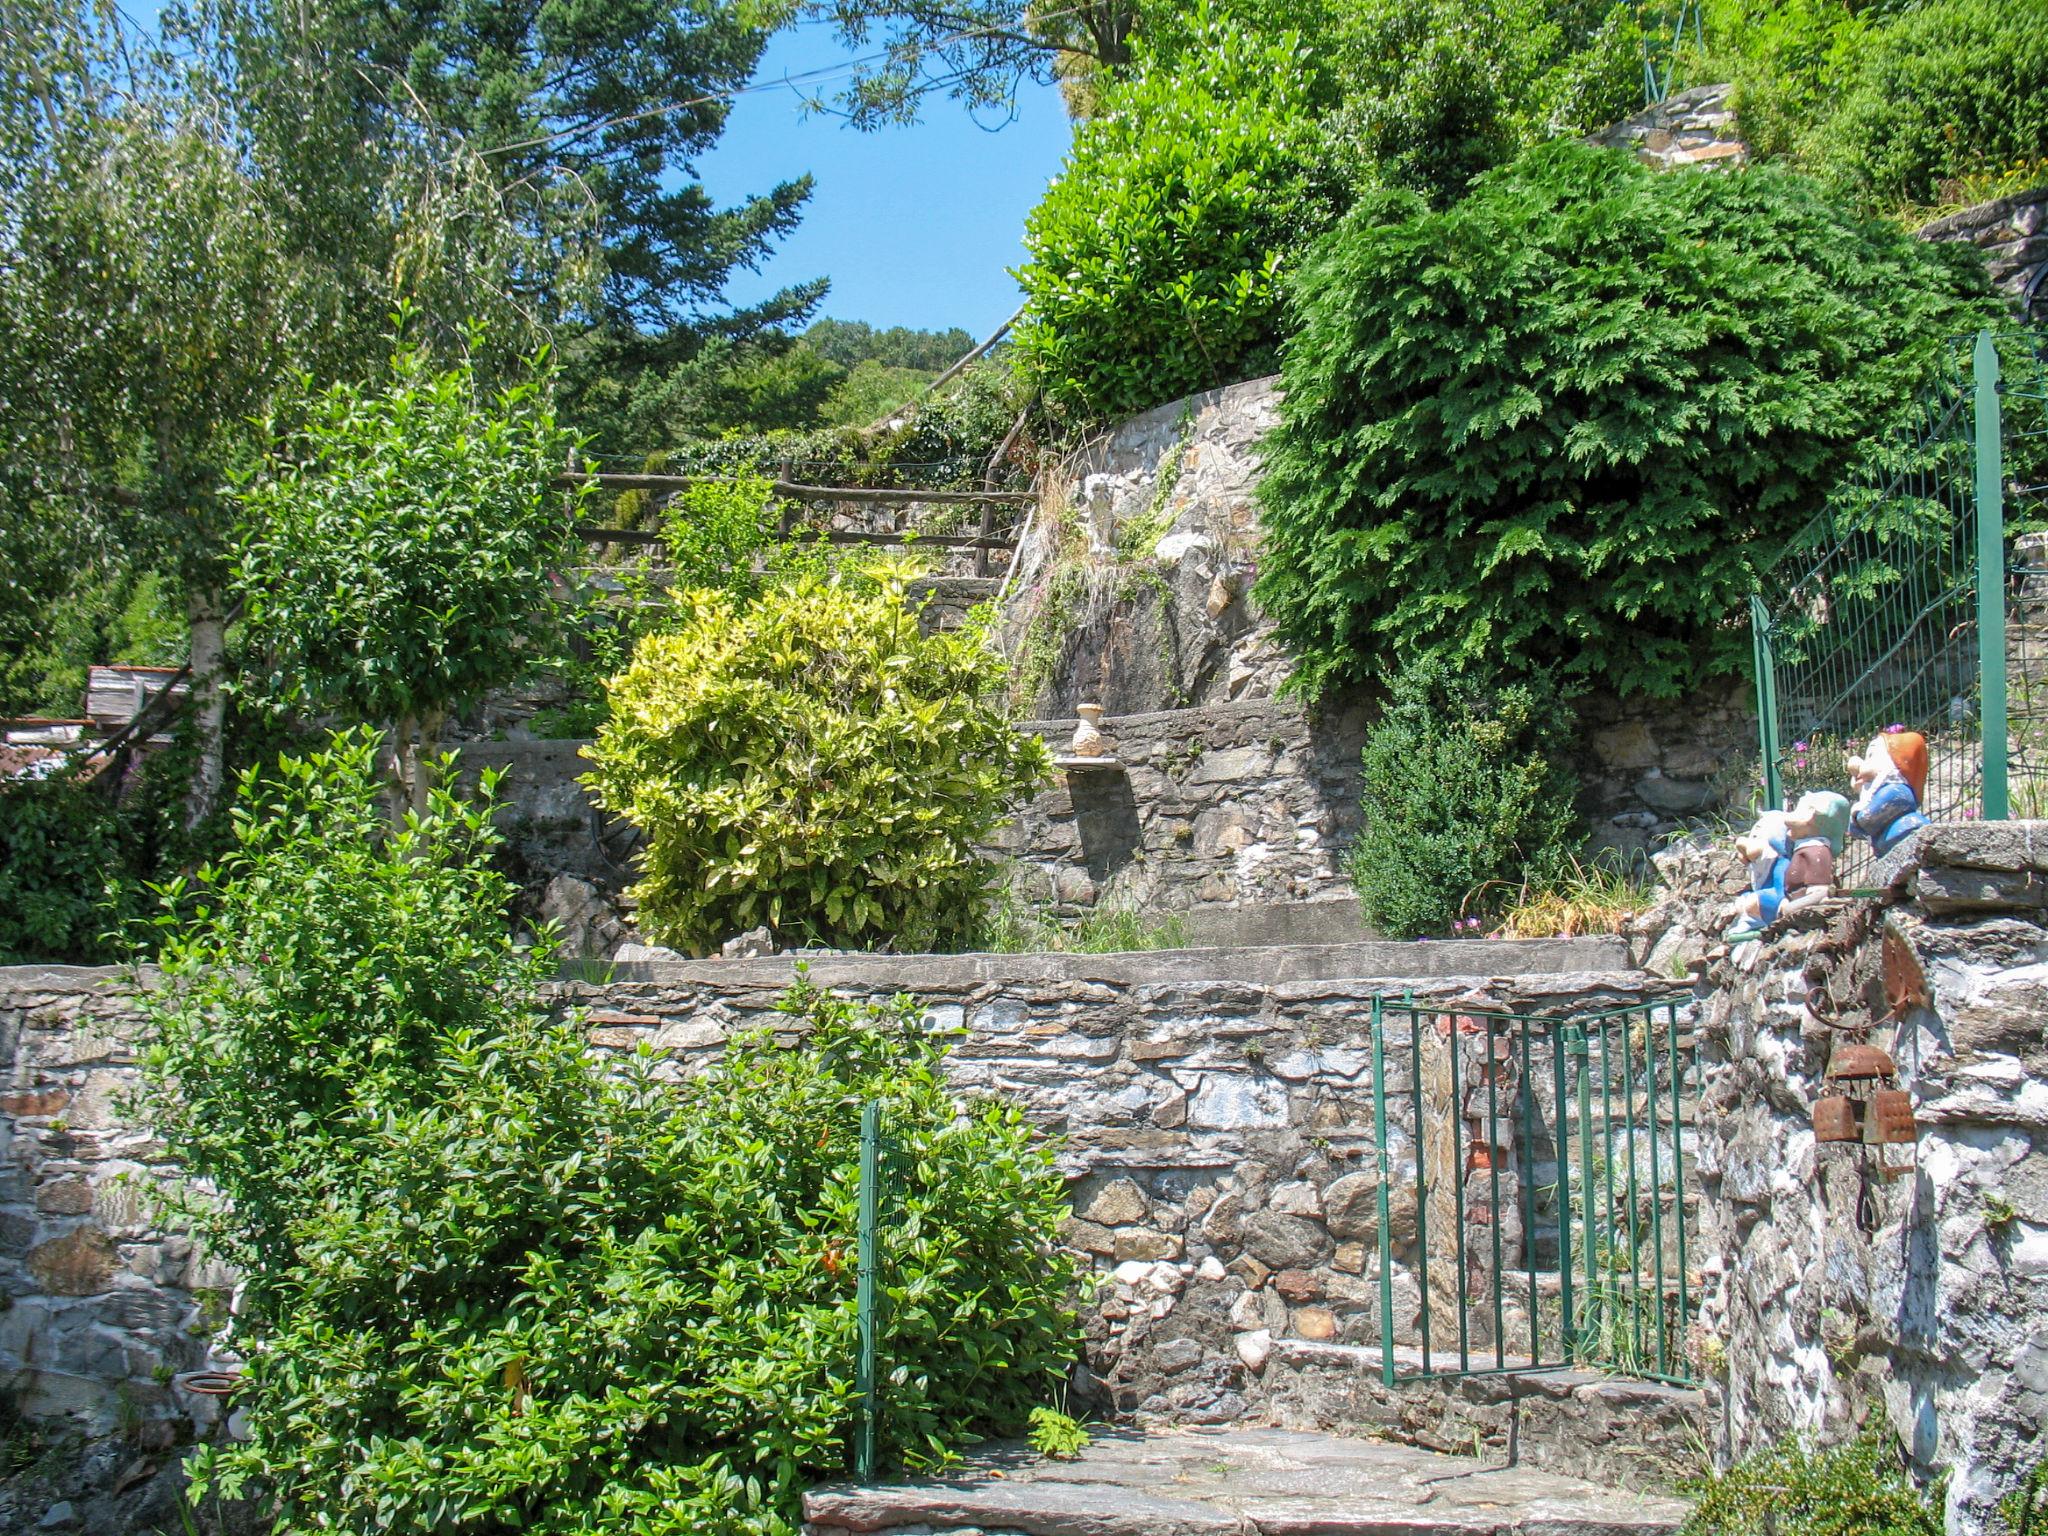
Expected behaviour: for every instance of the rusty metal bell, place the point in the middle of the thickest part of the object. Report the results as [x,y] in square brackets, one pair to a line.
[1888,1118]
[1834,1119]
[1860,1063]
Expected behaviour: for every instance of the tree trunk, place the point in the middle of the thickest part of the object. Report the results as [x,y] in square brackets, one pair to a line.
[424,748]
[209,712]
[394,763]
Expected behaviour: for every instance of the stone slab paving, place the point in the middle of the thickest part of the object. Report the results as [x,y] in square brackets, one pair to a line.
[1238,1482]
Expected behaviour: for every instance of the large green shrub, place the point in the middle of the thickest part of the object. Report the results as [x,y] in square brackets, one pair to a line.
[80,857]
[492,1288]
[1156,257]
[1466,795]
[1887,104]
[1938,92]
[1793,1488]
[813,763]
[1435,93]
[399,556]
[1556,425]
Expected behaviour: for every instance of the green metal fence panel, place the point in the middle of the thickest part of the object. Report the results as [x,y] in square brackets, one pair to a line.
[1890,611]
[866,1300]
[1551,1164]
[2023,406]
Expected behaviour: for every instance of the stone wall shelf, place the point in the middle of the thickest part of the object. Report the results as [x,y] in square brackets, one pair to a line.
[1068,762]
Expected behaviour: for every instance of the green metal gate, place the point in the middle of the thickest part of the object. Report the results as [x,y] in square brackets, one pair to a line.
[1891,610]
[1549,1162]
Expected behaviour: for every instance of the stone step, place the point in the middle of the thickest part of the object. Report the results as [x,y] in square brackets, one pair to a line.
[1237,1482]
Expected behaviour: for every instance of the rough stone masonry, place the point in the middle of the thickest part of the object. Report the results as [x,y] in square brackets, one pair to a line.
[1910,1283]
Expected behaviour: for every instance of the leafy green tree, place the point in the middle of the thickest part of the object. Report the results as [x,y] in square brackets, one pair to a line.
[1886,104]
[850,343]
[622,97]
[871,391]
[399,555]
[1557,425]
[1157,256]
[1466,793]
[977,53]
[191,226]
[491,1285]
[813,763]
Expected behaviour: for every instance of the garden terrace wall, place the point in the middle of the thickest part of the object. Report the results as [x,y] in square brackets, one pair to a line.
[1214,1110]
[1835,1294]
[2012,232]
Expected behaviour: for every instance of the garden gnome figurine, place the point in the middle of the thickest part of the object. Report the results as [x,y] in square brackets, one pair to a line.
[1766,848]
[1891,779]
[1817,826]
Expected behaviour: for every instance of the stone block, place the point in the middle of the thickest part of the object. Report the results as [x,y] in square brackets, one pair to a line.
[1233,765]
[1229,1101]
[67,1196]
[1950,888]
[1285,1242]
[1145,1243]
[1088,1237]
[1298,1285]
[80,1263]
[1316,1323]
[1297,1198]
[1118,1203]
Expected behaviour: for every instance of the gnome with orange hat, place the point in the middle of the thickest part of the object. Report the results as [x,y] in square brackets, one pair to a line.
[1890,779]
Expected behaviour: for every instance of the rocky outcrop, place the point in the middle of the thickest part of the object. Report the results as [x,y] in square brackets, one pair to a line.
[1690,127]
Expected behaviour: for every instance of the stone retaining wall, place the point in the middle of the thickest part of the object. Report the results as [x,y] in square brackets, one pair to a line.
[1214,1109]
[1839,1291]
[2012,232]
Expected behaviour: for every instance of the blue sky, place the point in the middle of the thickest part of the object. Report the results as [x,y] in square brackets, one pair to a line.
[915,226]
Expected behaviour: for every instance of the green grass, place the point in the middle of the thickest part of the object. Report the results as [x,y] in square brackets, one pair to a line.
[1013,927]
[1598,895]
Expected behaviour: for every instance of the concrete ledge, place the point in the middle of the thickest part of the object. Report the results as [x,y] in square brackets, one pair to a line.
[1385,960]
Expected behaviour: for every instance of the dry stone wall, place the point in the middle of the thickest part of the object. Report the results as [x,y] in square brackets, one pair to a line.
[2012,232]
[1909,1286]
[104,1312]
[1690,127]
[1214,1111]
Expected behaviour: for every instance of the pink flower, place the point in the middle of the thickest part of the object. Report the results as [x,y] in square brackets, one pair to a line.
[1893,729]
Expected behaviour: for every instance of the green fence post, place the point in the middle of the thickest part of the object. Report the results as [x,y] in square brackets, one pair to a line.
[1379,1129]
[864,1293]
[1991,578]
[1766,699]
[1564,1196]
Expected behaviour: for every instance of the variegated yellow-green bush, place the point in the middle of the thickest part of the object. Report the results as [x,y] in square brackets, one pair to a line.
[811,762]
